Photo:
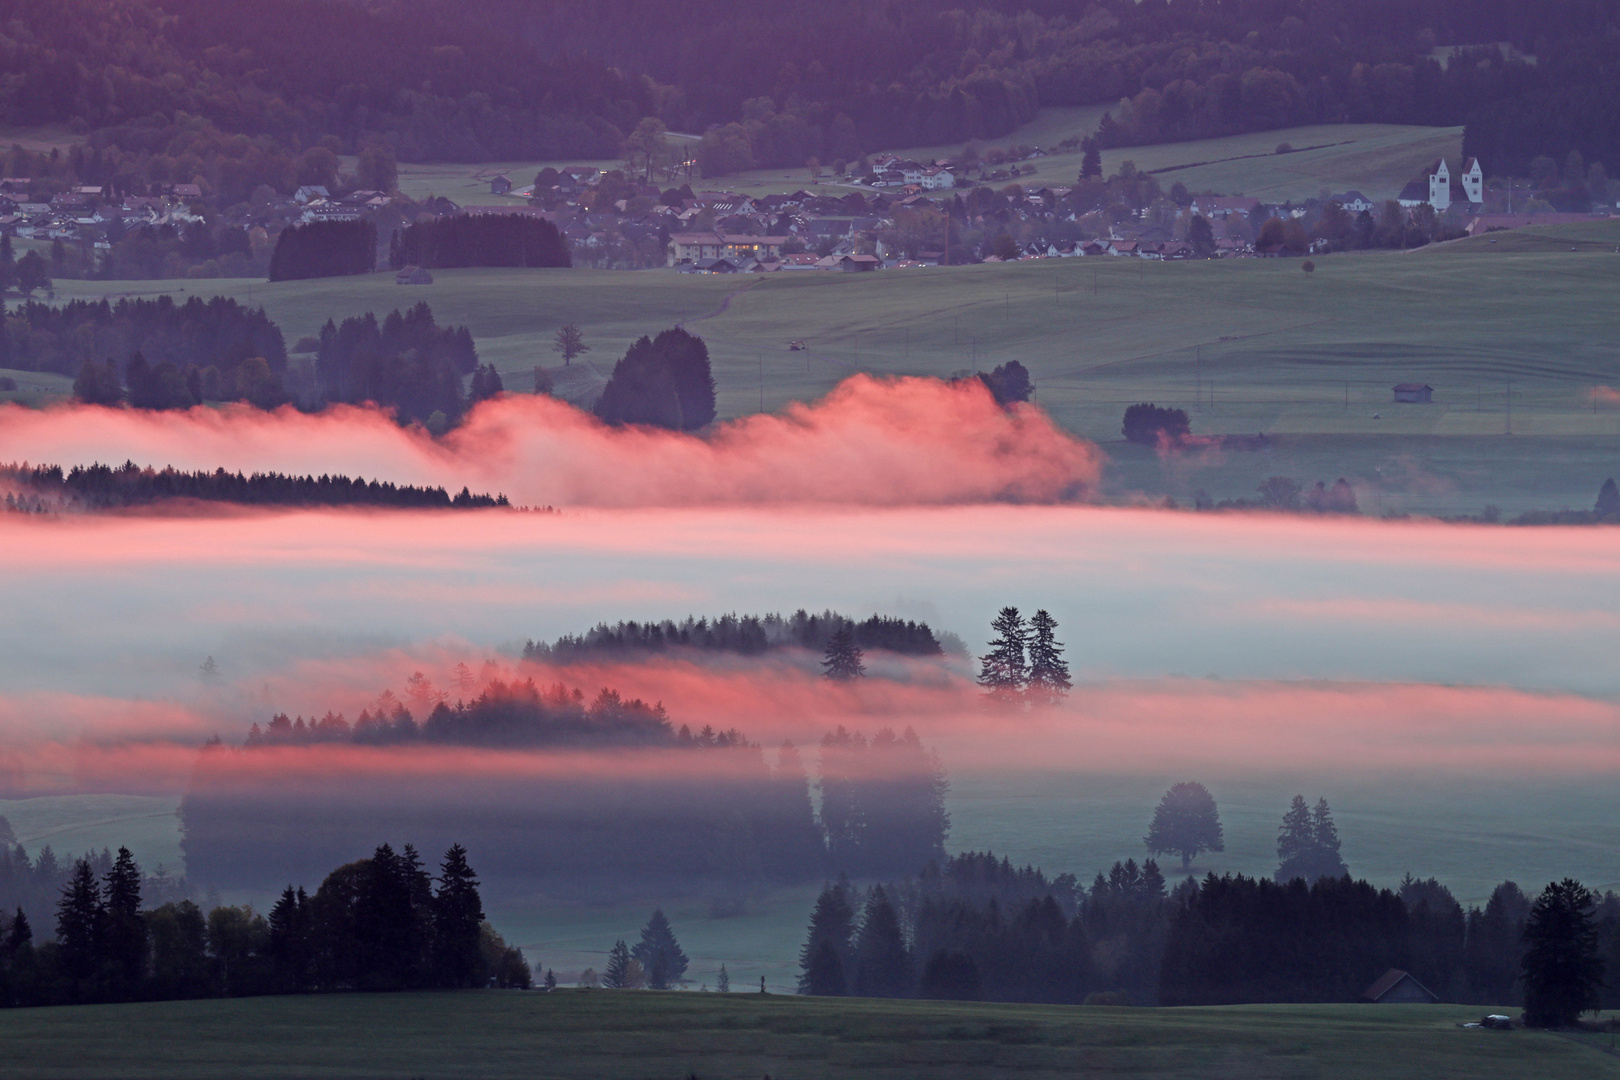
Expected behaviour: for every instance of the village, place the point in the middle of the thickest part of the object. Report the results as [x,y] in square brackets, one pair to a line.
[884,213]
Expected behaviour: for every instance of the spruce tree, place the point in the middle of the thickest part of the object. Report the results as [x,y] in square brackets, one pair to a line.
[821,961]
[723,982]
[8,264]
[616,976]
[842,660]
[551,980]
[79,917]
[1048,671]
[1004,670]
[1325,837]
[1295,843]
[1562,969]
[882,966]
[458,913]
[124,929]
[659,953]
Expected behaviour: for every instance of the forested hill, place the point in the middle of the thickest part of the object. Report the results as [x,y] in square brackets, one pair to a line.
[473,80]
[102,487]
[749,635]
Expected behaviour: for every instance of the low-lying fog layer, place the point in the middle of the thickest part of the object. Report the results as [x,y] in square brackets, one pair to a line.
[871,441]
[1457,647]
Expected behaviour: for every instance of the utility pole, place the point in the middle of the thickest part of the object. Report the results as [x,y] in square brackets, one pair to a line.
[1509,430]
[761,382]
[1198,396]
[1347,395]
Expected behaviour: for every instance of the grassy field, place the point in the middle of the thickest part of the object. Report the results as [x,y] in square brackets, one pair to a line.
[641,1035]
[1516,336]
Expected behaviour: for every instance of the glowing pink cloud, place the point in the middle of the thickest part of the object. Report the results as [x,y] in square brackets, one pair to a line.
[872,441]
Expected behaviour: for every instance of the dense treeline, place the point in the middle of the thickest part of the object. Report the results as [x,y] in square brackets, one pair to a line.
[103,487]
[324,249]
[750,635]
[977,928]
[974,927]
[378,923]
[198,334]
[435,81]
[479,240]
[651,806]
[407,362]
[269,91]
[34,884]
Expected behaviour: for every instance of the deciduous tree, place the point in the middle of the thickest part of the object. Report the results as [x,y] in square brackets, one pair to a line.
[1186,823]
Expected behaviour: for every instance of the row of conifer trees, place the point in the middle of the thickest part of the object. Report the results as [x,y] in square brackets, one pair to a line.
[380,923]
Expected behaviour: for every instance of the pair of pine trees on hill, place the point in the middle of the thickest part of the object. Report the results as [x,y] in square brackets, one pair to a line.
[1187,822]
[1025,661]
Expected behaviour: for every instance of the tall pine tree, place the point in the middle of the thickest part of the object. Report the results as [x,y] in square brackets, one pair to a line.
[78,927]
[659,953]
[1048,671]
[458,913]
[1004,670]
[124,930]
[822,966]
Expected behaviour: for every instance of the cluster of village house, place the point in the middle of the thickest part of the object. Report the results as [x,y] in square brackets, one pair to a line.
[729,232]
[91,213]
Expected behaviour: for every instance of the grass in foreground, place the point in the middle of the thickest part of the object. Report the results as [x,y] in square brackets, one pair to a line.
[490,1034]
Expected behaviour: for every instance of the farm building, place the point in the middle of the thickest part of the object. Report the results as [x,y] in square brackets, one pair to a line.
[1413,393]
[413,275]
[1396,987]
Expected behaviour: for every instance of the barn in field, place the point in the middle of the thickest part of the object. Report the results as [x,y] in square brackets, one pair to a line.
[1397,987]
[1412,393]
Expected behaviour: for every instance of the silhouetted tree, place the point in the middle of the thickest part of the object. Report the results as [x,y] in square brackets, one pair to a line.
[659,953]
[1148,424]
[458,912]
[1308,844]
[124,935]
[569,343]
[1048,672]
[1004,671]
[617,974]
[664,381]
[842,659]
[1008,383]
[1562,969]
[822,967]
[882,965]
[79,919]
[1185,823]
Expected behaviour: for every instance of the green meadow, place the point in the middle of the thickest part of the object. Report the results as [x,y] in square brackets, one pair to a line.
[1514,331]
[637,1035]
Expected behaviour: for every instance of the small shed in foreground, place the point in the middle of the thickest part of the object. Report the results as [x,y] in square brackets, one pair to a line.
[1414,393]
[1397,987]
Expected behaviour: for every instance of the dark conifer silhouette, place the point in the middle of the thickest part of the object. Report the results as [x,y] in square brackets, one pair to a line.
[617,976]
[882,965]
[458,913]
[1048,672]
[842,660]
[822,960]
[659,954]
[663,382]
[1562,968]
[1004,670]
